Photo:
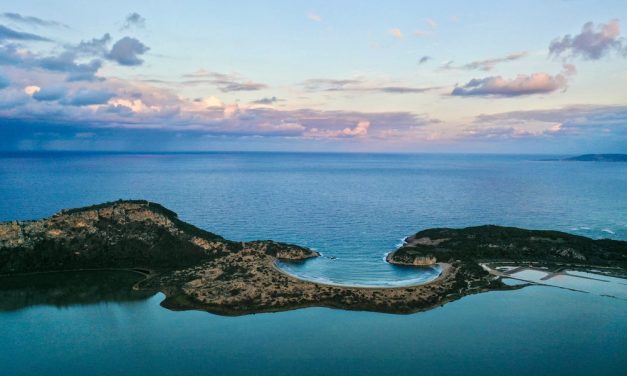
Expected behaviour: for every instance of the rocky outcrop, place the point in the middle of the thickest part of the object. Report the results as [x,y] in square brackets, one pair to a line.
[508,244]
[117,234]
[288,252]
[413,259]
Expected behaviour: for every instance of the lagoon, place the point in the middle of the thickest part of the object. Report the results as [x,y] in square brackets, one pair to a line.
[537,330]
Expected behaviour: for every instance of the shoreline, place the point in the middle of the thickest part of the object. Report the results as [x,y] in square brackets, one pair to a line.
[197,269]
[445,267]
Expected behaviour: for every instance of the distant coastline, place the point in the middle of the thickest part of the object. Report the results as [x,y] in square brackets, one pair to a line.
[593,158]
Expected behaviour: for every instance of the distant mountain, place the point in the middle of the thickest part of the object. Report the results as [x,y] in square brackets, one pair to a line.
[598,158]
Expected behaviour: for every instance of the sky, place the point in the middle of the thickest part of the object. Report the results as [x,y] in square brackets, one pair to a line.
[358,76]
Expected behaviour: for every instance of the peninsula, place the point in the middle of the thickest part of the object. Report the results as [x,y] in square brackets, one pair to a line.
[197,269]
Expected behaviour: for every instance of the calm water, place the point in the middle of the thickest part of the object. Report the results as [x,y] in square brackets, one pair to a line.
[353,208]
[534,331]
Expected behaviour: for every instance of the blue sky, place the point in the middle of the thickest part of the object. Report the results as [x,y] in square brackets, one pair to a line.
[522,76]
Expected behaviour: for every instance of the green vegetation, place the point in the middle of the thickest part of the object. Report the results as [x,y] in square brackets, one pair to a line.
[154,207]
[491,242]
[119,234]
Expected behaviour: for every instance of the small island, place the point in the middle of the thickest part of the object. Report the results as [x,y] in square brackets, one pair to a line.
[197,269]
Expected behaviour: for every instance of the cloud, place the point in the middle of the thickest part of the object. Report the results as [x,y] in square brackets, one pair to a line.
[131,113]
[93,47]
[314,17]
[224,82]
[356,85]
[592,43]
[536,83]
[352,124]
[487,64]
[328,84]
[432,23]
[586,123]
[396,33]
[118,104]
[52,93]
[134,20]
[88,97]
[209,102]
[10,54]
[359,130]
[569,116]
[399,89]
[31,89]
[30,20]
[126,51]
[80,62]
[66,63]
[71,60]
[10,34]
[267,100]
[10,99]
[226,86]
[4,82]
[424,59]
[491,133]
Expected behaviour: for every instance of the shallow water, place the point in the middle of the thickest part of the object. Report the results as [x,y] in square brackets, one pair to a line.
[331,273]
[592,283]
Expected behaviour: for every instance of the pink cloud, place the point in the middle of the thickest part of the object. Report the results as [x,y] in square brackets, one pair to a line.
[535,83]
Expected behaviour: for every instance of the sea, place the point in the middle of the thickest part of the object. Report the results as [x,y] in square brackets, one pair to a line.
[353,208]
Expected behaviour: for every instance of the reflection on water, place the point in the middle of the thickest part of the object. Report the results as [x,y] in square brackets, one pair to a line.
[532,331]
[69,288]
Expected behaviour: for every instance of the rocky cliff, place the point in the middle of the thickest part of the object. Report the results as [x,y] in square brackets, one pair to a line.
[117,234]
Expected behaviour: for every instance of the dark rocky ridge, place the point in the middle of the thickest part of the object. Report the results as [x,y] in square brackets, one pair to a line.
[119,234]
[598,158]
[491,242]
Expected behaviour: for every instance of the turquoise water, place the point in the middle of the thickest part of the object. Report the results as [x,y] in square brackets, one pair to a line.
[317,270]
[353,208]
